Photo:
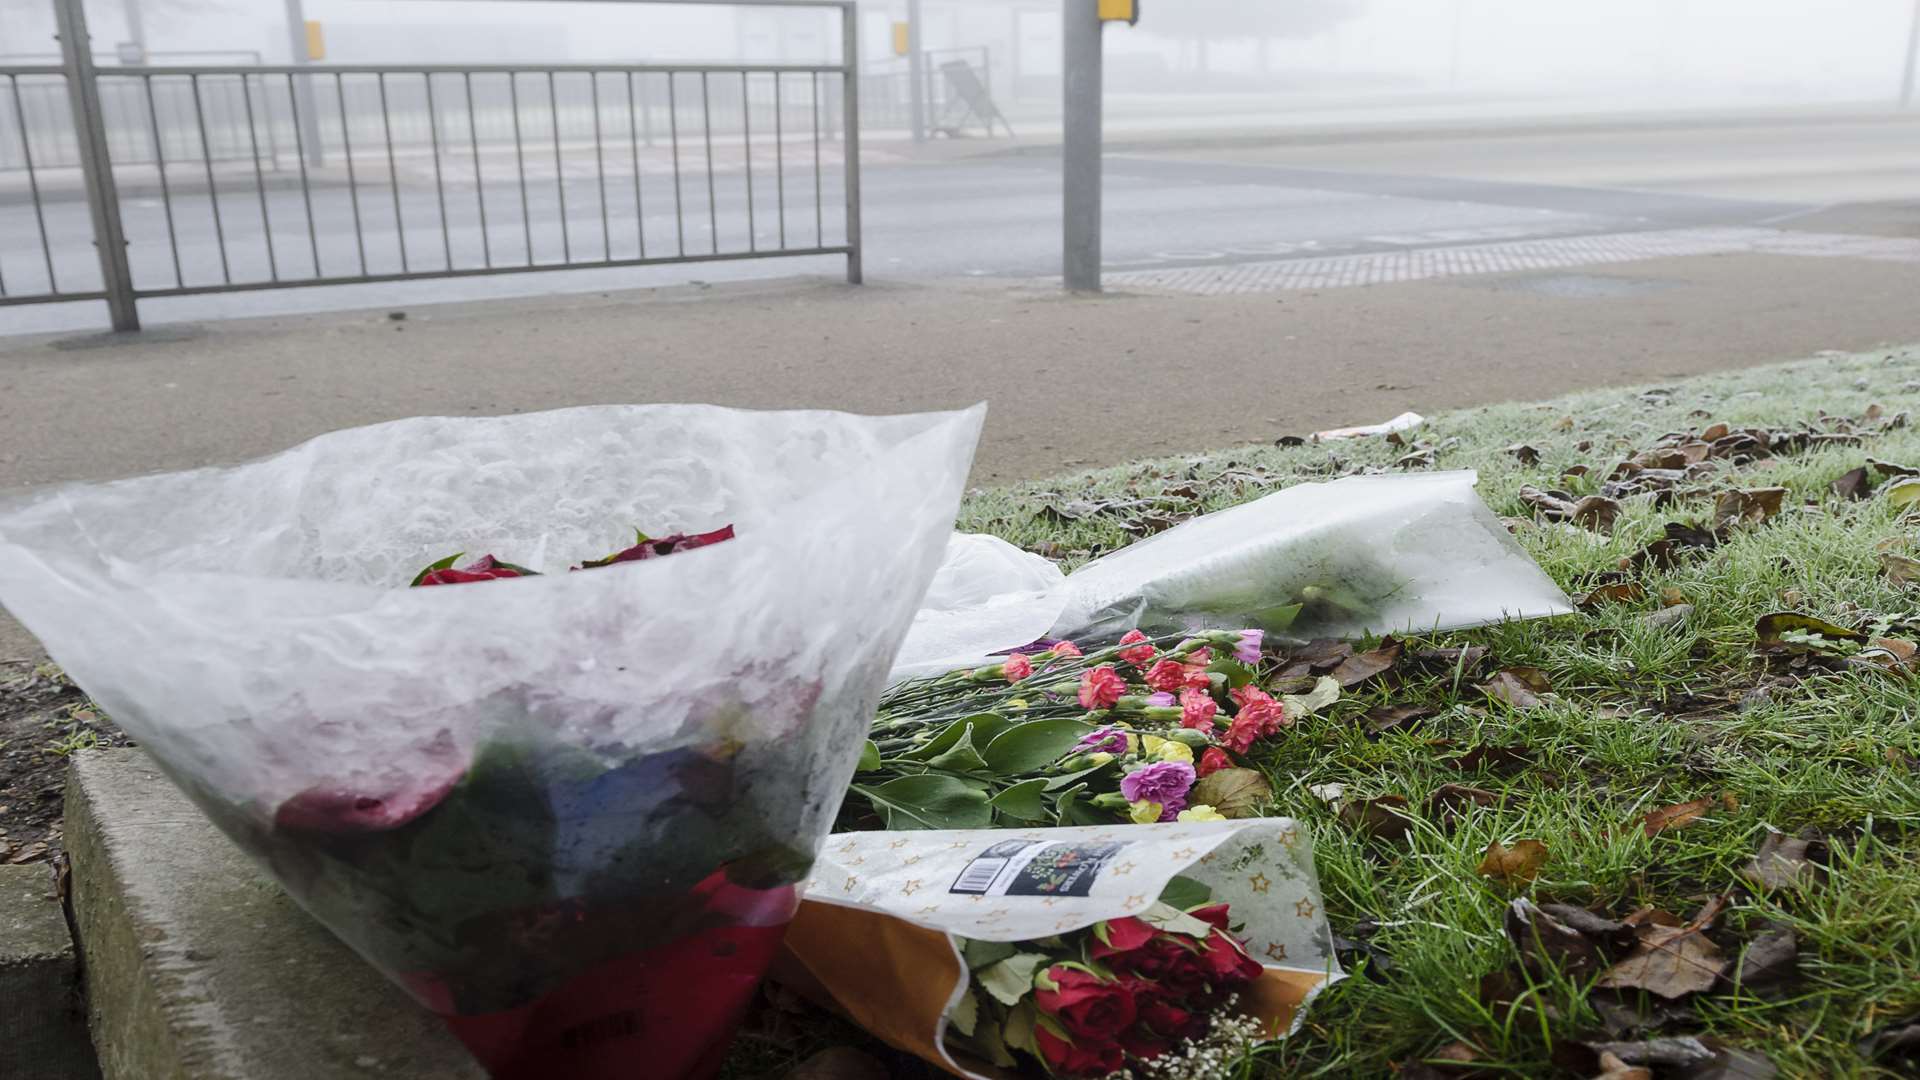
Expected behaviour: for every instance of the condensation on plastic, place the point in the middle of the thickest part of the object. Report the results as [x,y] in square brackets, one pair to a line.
[251,626]
[1359,555]
[986,595]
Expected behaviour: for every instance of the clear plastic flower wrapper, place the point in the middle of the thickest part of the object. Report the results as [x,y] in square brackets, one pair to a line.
[568,812]
[1341,559]
[939,942]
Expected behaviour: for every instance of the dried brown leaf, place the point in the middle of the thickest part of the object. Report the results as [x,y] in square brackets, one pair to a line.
[1773,957]
[1671,961]
[1524,454]
[1545,943]
[1781,863]
[1852,484]
[1619,592]
[1360,667]
[1612,1068]
[1900,569]
[1520,687]
[1384,718]
[1382,818]
[1673,817]
[1235,793]
[1517,864]
[1496,758]
[1747,507]
[1449,801]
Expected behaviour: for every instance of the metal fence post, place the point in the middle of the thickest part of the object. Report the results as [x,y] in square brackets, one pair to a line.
[850,101]
[96,163]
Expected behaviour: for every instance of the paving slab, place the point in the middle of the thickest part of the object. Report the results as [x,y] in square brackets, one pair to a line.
[43,1031]
[198,966]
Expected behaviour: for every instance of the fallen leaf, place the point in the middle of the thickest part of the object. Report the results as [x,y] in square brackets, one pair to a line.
[1672,596]
[1496,758]
[1747,507]
[27,853]
[1382,818]
[1384,718]
[1670,1053]
[1770,629]
[1668,617]
[1450,801]
[1903,493]
[1524,454]
[1896,1042]
[1771,958]
[1518,864]
[1730,1063]
[1611,937]
[1673,817]
[1235,793]
[1620,592]
[1852,484]
[1360,667]
[1900,569]
[1612,1068]
[1546,944]
[1781,863]
[1892,469]
[1519,687]
[1460,658]
[1892,652]
[1714,433]
[1671,961]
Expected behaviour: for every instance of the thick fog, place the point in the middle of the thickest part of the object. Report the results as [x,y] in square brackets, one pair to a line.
[1626,54]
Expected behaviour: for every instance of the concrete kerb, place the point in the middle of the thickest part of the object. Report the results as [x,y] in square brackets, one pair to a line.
[198,967]
[43,1033]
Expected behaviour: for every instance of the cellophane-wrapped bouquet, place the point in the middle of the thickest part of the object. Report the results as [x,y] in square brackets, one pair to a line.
[566,810]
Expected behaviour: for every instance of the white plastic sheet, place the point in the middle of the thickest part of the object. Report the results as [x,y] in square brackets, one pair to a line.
[1341,559]
[645,731]
[987,595]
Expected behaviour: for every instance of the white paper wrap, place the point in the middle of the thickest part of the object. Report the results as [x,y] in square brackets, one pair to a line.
[1020,885]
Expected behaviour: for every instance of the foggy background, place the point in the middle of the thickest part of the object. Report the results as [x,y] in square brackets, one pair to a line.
[1187,60]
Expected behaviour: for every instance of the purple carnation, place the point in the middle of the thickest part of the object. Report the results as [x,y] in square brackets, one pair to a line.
[1248,650]
[1105,740]
[1164,782]
[1162,700]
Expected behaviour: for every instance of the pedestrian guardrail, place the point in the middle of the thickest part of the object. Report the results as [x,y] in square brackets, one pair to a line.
[189,179]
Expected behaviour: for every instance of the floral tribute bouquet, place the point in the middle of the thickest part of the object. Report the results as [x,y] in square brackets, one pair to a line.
[569,812]
[1146,730]
[1150,952]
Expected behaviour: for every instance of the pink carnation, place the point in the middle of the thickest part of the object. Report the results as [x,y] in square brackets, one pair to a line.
[1197,710]
[1141,654]
[1017,667]
[1101,687]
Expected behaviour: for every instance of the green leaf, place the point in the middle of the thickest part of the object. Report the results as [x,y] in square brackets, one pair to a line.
[1020,1025]
[992,1044]
[1237,673]
[931,802]
[1904,492]
[985,727]
[981,954]
[966,1013]
[1024,800]
[1011,979]
[1175,921]
[1055,783]
[1324,693]
[441,565]
[1778,625]
[869,757]
[1032,746]
[961,756]
[1185,894]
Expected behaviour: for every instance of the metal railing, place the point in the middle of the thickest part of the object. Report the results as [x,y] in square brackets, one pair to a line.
[886,88]
[219,178]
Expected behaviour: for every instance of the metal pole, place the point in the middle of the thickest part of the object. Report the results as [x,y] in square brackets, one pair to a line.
[305,104]
[136,28]
[1080,148]
[1913,58]
[915,62]
[850,102]
[96,165]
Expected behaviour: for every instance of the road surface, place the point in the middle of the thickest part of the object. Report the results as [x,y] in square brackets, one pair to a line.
[1359,195]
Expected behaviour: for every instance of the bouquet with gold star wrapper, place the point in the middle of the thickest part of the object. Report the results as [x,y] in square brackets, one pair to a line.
[1148,951]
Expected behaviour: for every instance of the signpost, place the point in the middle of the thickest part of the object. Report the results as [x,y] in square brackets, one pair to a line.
[1080,146]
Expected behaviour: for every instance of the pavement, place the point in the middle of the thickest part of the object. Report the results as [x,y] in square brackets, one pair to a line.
[43,1033]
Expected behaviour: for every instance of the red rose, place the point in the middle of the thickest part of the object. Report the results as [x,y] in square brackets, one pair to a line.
[1170,1021]
[1143,1044]
[1123,936]
[1089,1007]
[1214,915]
[1101,687]
[1078,1057]
[1212,761]
[1229,964]
[1141,654]
[649,548]
[485,568]
[1178,966]
[1167,676]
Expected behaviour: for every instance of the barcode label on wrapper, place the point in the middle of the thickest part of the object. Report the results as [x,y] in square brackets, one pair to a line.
[1033,868]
